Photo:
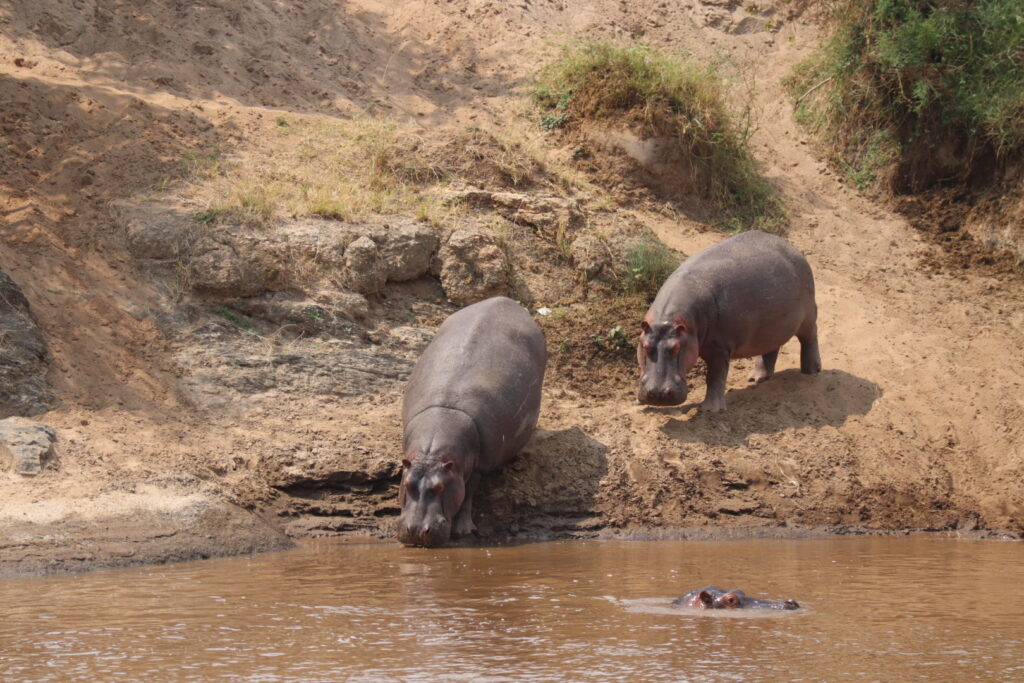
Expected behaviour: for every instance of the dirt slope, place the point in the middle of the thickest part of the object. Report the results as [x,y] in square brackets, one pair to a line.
[915,423]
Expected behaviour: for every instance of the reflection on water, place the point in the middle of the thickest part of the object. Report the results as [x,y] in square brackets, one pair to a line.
[918,608]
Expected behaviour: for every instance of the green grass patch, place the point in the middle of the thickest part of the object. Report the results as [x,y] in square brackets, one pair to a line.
[658,94]
[648,264]
[899,78]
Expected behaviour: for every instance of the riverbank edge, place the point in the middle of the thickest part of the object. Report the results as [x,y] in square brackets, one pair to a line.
[223,530]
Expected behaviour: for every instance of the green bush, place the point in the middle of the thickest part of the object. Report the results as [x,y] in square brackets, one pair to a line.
[662,95]
[900,75]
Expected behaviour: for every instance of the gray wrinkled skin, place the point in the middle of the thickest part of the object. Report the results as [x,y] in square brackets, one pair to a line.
[710,597]
[743,297]
[470,406]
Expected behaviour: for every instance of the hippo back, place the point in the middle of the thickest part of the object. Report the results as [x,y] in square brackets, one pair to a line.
[487,360]
[753,270]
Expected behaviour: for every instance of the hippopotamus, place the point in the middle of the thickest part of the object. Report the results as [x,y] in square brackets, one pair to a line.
[470,406]
[710,597]
[745,296]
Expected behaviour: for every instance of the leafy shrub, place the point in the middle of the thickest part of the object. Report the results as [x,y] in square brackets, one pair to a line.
[662,95]
[899,76]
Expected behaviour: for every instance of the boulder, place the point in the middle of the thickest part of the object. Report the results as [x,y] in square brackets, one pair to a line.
[230,269]
[365,270]
[25,444]
[473,267]
[406,249]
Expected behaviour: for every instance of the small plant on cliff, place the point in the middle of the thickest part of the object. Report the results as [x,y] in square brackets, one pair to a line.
[901,78]
[662,95]
[648,264]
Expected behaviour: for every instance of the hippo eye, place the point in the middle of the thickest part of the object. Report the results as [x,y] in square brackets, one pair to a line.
[438,489]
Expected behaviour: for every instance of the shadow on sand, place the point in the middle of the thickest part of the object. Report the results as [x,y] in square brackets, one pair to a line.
[789,400]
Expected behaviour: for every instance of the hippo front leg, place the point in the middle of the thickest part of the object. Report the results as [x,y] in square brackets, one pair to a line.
[718,371]
[463,523]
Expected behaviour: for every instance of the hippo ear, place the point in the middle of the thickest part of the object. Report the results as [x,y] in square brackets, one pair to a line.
[705,599]
[448,464]
[682,327]
[405,463]
[645,326]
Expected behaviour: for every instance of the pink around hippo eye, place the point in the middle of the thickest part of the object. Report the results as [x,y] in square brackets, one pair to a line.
[438,489]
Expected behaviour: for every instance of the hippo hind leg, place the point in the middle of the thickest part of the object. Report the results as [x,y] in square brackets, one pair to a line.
[810,358]
[764,367]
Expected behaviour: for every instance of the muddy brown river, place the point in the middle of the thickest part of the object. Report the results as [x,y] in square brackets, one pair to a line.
[911,608]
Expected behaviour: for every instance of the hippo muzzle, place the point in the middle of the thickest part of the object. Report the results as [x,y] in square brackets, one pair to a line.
[661,391]
[425,534]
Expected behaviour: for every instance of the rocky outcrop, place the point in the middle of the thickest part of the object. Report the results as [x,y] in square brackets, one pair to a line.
[473,266]
[229,260]
[224,365]
[225,268]
[23,388]
[25,445]
[554,215]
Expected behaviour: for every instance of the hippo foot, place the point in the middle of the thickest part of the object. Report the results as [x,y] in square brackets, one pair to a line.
[463,526]
[712,405]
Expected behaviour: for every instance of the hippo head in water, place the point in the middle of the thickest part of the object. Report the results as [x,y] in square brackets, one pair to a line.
[716,598]
[431,495]
[667,350]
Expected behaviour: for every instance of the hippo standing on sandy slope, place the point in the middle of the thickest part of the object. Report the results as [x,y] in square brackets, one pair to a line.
[710,597]
[743,297]
[470,406]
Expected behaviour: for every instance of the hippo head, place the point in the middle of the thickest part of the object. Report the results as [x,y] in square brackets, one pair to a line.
[666,352]
[431,494]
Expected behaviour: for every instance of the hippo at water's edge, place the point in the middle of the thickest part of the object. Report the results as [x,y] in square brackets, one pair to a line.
[470,406]
[710,597]
[743,297]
